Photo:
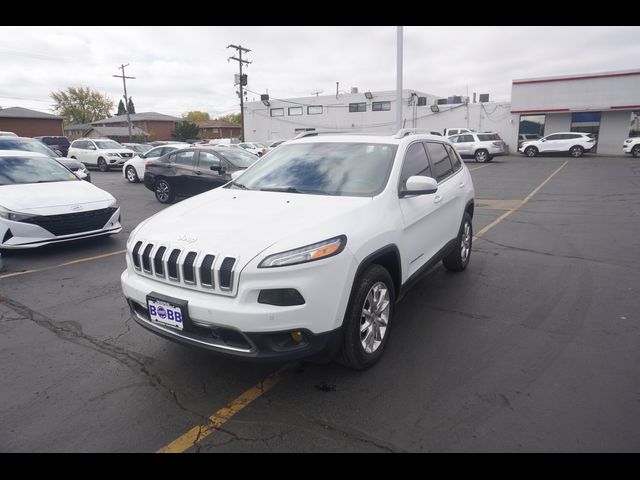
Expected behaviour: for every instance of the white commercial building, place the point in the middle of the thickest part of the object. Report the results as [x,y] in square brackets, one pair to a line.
[606,104]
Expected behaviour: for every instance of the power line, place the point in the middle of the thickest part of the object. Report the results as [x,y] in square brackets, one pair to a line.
[126,100]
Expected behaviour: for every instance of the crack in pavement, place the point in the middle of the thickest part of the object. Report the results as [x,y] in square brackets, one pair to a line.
[72,332]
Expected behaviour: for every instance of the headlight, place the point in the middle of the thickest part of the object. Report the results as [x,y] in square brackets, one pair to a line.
[14,216]
[628,141]
[316,251]
[113,204]
[113,154]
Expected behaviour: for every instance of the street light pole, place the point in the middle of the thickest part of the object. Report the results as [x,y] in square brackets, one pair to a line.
[399,81]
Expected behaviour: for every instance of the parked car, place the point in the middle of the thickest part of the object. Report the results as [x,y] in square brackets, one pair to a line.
[253,147]
[572,143]
[305,253]
[632,146]
[41,202]
[524,137]
[224,141]
[133,169]
[57,144]
[33,145]
[7,134]
[457,131]
[480,146]
[103,153]
[138,147]
[190,171]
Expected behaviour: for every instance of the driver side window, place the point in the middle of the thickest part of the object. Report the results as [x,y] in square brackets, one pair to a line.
[415,163]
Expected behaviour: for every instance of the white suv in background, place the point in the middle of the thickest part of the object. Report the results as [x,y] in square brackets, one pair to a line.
[133,169]
[573,143]
[305,253]
[482,146]
[632,146]
[103,153]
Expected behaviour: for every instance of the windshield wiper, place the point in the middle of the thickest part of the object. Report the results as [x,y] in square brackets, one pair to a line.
[239,185]
[293,190]
[50,181]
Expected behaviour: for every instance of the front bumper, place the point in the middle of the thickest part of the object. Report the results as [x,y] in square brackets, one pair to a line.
[628,147]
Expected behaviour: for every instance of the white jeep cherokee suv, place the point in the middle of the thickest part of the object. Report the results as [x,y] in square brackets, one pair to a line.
[103,153]
[632,146]
[573,143]
[305,253]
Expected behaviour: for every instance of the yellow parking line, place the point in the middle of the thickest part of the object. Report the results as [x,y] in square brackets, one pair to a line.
[478,168]
[522,202]
[196,434]
[72,262]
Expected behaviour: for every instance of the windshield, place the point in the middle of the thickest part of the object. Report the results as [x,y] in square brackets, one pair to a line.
[28,146]
[105,144]
[347,169]
[239,158]
[17,170]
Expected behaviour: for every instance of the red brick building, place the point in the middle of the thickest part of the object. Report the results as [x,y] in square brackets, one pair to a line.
[157,125]
[30,123]
[218,129]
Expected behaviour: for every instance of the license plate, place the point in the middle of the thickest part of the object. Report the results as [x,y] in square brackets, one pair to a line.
[165,313]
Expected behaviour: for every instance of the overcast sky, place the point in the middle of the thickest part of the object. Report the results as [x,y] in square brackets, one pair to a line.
[178,69]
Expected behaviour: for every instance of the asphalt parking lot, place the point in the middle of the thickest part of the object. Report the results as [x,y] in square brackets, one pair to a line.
[534,348]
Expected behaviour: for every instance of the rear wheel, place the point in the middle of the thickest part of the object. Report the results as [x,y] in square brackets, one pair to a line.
[459,257]
[531,151]
[132,176]
[481,156]
[635,151]
[164,192]
[368,319]
[576,151]
[102,165]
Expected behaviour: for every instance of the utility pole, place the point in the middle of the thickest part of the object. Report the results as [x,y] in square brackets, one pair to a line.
[399,81]
[242,82]
[126,99]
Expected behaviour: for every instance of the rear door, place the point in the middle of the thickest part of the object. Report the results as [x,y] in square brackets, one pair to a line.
[465,144]
[180,172]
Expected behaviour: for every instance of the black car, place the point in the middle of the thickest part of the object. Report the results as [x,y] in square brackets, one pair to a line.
[33,145]
[190,171]
[57,144]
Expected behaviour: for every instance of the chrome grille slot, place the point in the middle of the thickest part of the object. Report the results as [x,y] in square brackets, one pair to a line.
[206,271]
[158,264]
[136,255]
[226,273]
[172,264]
[188,269]
[146,258]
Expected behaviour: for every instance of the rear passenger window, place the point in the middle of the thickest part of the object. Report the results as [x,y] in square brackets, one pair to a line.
[182,158]
[465,138]
[455,159]
[415,163]
[483,137]
[442,167]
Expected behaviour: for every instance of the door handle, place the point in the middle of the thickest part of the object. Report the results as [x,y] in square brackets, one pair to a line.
[198,172]
[437,199]
[461,184]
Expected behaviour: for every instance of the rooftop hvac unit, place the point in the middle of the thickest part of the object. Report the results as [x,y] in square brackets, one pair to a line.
[354,89]
[484,97]
[456,99]
[442,101]
[422,101]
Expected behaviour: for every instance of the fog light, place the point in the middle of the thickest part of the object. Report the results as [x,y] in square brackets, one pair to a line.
[297,336]
[281,297]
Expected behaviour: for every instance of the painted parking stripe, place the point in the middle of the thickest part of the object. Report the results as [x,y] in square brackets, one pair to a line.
[520,204]
[71,262]
[222,416]
[478,168]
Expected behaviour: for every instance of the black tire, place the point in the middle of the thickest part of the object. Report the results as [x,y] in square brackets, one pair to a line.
[576,151]
[353,353]
[164,192]
[458,259]
[635,151]
[481,156]
[102,165]
[131,174]
[531,151]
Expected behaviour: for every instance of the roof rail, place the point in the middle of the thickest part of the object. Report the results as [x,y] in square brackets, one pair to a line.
[313,133]
[403,132]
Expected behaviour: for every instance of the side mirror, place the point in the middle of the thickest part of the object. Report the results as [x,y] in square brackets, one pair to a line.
[418,185]
[218,168]
[91,147]
[543,139]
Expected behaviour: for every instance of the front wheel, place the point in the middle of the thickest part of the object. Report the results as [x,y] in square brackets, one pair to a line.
[636,151]
[531,151]
[576,151]
[164,192]
[132,176]
[458,259]
[102,165]
[368,319]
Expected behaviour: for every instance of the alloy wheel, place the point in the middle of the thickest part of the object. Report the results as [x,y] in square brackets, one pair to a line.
[374,317]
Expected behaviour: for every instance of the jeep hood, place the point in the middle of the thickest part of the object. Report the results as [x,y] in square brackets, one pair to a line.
[244,223]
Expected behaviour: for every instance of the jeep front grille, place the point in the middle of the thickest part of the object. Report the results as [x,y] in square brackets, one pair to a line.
[188,268]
